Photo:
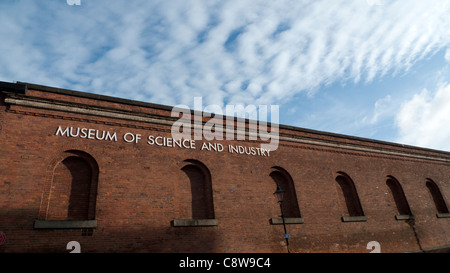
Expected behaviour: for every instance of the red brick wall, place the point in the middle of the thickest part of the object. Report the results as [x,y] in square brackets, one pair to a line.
[141,189]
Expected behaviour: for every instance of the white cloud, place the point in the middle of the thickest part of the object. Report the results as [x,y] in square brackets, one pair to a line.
[424,120]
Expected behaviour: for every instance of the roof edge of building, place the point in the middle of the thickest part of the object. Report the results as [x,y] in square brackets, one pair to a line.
[21,87]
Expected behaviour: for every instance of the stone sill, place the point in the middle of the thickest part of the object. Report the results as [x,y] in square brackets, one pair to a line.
[64,224]
[354,218]
[194,222]
[404,217]
[443,215]
[287,221]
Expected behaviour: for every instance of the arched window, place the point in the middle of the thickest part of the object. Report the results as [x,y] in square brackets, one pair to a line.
[69,198]
[350,199]
[289,205]
[439,201]
[404,212]
[70,192]
[199,205]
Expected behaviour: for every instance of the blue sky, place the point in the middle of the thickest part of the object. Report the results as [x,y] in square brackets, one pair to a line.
[370,68]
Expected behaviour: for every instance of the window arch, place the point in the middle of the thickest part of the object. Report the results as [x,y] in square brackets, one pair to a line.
[290,203]
[69,198]
[202,206]
[70,192]
[399,197]
[350,199]
[437,197]
[199,205]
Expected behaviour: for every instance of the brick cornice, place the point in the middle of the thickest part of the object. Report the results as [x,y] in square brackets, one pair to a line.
[285,136]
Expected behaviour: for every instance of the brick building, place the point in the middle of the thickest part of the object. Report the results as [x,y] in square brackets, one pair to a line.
[106,173]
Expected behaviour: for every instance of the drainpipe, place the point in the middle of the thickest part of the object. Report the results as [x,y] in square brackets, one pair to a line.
[411,222]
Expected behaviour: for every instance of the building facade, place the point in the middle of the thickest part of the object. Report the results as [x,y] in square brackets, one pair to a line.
[107,173]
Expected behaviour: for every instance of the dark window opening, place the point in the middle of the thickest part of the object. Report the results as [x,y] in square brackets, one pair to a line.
[284,181]
[71,195]
[399,196]
[201,190]
[438,199]
[350,195]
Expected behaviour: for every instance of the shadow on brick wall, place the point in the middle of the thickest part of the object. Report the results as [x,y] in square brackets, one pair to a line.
[21,237]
